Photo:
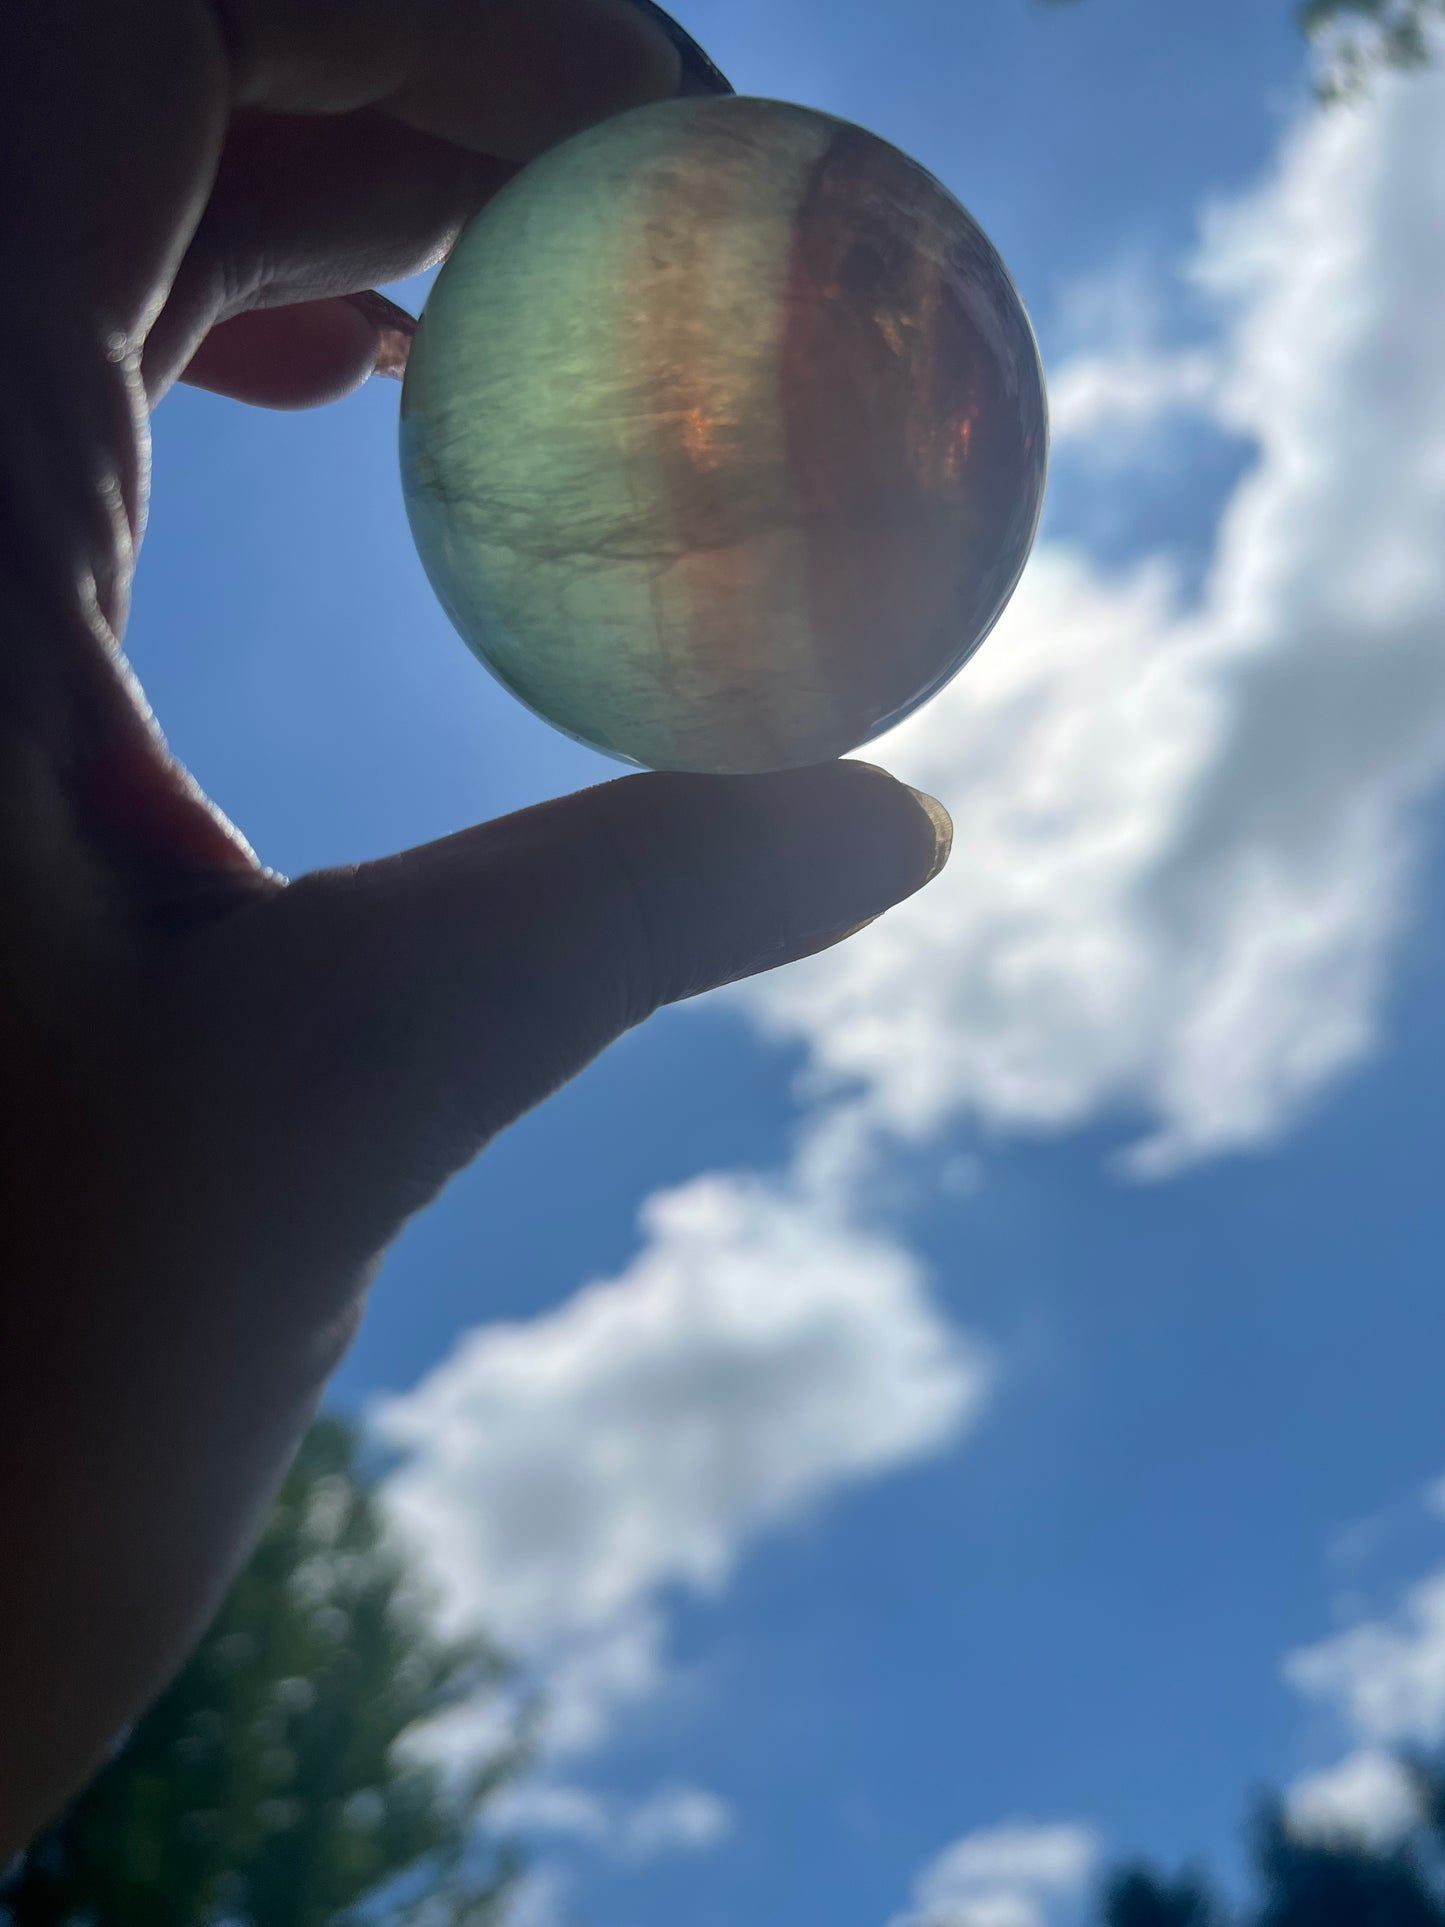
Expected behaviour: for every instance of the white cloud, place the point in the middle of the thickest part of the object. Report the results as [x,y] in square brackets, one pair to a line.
[545,1807]
[674,1819]
[1368,1796]
[1123,303]
[1003,1907]
[1381,1682]
[1185,834]
[1385,1678]
[1004,1876]
[759,1352]
[1056,1859]
[538,1899]
[1110,394]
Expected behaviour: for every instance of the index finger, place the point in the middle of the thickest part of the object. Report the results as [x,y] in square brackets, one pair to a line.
[501,77]
[112,118]
[113,113]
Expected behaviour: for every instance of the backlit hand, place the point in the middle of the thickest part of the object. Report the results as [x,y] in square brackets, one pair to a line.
[221,1094]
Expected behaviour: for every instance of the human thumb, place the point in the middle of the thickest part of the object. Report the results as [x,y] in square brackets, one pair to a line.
[380,1024]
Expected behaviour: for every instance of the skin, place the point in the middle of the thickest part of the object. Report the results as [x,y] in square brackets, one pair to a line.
[221,1094]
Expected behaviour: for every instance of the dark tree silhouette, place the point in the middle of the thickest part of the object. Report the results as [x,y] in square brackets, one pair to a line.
[1315,1884]
[269,1786]
[1135,1897]
[1356,36]
[1307,1882]
[1361,34]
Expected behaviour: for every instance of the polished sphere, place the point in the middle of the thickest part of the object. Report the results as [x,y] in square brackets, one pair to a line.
[724,436]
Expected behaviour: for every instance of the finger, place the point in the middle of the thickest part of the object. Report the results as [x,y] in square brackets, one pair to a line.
[319,199]
[501,77]
[379,1026]
[305,208]
[99,209]
[112,121]
[288,357]
[350,184]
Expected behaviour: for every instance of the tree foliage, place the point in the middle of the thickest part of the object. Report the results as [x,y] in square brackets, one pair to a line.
[1355,37]
[1317,1883]
[1136,1897]
[1306,1882]
[270,1786]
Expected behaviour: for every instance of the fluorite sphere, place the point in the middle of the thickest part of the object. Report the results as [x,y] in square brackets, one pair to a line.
[724,436]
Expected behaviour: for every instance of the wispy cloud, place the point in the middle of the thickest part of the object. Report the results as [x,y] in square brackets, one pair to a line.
[1385,1678]
[761,1351]
[538,1900]
[674,1819]
[1008,1876]
[1102,397]
[1381,1685]
[1368,1796]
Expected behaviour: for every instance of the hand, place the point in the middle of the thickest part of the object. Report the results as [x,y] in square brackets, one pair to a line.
[221,1094]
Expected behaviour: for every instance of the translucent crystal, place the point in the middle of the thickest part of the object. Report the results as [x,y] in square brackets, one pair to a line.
[724,436]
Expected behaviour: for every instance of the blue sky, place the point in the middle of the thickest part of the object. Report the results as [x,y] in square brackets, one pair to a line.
[929,1467]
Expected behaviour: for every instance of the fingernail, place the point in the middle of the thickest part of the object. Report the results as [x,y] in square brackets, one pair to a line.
[699,75]
[876,841]
[394,331]
[942,823]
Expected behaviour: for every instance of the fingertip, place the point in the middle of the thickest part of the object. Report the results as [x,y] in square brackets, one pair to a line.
[644,58]
[925,852]
[739,874]
[697,75]
[942,823]
[912,830]
[296,357]
[571,64]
